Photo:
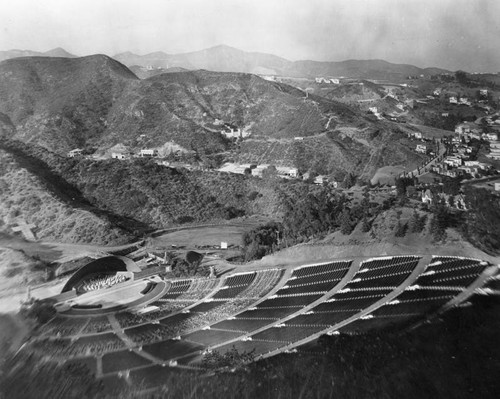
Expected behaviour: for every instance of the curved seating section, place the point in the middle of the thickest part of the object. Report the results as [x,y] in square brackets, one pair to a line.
[84,346]
[443,280]
[372,283]
[97,325]
[64,326]
[215,309]
[262,312]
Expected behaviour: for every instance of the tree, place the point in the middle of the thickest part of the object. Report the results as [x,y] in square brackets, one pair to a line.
[345,222]
[309,211]
[366,225]
[401,229]
[401,184]
[261,241]
[482,220]
[440,221]
[417,222]
[411,191]
[451,185]
[349,180]
[461,77]
[270,173]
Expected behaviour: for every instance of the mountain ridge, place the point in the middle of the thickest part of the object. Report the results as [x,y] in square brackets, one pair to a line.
[16,53]
[225,58]
[96,102]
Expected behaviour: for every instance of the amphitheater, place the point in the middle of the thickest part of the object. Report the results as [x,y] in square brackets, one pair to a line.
[134,330]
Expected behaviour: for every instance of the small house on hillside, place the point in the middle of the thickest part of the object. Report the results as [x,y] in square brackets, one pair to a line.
[286,171]
[149,153]
[75,153]
[320,179]
[427,196]
[491,136]
[120,155]
[421,148]
[231,132]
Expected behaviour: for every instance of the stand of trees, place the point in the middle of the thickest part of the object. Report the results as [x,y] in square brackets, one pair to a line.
[482,221]
[261,241]
[309,211]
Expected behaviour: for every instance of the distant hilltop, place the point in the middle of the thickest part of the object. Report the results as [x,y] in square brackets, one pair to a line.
[56,52]
[224,58]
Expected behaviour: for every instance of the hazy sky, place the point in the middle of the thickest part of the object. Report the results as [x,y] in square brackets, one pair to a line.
[453,34]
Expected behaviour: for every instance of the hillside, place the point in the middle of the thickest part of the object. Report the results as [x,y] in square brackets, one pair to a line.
[97,103]
[137,196]
[67,103]
[60,102]
[31,196]
[228,59]
[363,69]
[357,91]
[144,72]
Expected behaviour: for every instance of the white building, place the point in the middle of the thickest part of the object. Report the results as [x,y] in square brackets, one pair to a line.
[149,153]
[453,161]
[320,179]
[119,155]
[427,196]
[491,136]
[232,133]
[75,153]
[494,150]
[286,171]
[421,148]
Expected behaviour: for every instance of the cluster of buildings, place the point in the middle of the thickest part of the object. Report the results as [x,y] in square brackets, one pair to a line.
[234,132]
[457,161]
[468,130]
[456,99]
[460,101]
[453,201]
[121,154]
[257,170]
[327,80]
[285,172]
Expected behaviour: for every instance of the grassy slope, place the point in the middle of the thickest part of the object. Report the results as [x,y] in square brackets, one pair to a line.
[55,207]
[139,195]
